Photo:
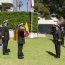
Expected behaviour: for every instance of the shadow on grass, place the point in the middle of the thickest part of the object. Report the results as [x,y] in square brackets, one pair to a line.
[50,53]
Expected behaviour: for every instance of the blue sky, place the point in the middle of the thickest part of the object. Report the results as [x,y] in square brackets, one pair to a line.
[24,6]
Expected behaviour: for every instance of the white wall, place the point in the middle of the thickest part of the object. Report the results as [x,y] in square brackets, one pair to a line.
[11,33]
[6,1]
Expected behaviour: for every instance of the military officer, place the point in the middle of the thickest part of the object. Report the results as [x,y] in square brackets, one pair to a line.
[53,31]
[0,35]
[62,31]
[58,41]
[21,40]
[5,37]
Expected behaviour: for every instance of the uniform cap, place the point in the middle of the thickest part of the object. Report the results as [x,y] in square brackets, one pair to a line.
[21,24]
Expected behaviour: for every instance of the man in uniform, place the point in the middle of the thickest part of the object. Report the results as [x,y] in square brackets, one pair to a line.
[53,31]
[5,37]
[21,41]
[0,35]
[62,31]
[58,41]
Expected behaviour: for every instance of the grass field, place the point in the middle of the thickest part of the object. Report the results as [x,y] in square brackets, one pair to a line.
[38,51]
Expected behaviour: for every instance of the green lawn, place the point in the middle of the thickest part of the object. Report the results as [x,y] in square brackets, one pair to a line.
[38,51]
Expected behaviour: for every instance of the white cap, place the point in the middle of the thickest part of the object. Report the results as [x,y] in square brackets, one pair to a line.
[21,24]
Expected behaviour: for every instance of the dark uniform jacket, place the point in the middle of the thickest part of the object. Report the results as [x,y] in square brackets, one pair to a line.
[62,33]
[58,35]
[0,32]
[21,39]
[52,30]
[5,33]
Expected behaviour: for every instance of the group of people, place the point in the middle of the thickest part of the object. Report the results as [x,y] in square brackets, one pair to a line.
[57,31]
[4,37]
[58,38]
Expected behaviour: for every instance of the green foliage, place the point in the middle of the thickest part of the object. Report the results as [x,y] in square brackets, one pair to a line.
[35,23]
[15,18]
[36,6]
[59,11]
[42,9]
[49,7]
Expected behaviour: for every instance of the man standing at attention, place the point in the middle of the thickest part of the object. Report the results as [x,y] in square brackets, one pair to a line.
[5,37]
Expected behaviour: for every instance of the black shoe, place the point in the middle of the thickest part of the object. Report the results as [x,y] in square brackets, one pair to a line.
[21,57]
[22,54]
[8,50]
[57,56]
[5,53]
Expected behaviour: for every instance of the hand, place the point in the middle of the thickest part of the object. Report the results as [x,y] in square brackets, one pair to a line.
[2,36]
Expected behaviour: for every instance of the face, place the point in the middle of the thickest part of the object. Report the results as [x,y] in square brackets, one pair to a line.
[21,28]
[5,24]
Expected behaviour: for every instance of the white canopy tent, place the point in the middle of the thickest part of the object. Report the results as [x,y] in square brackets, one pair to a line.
[44,25]
[43,21]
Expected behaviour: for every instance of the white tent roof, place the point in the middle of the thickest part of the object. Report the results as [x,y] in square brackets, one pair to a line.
[43,21]
[54,18]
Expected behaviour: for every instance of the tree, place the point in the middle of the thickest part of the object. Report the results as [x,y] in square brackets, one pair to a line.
[41,8]
[50,7]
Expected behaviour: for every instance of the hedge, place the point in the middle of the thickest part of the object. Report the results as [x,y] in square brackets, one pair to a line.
[15,18]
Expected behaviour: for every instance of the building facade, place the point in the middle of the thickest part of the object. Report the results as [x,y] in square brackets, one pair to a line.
[44,26]
[6,5]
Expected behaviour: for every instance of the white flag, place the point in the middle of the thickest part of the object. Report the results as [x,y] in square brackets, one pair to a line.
[32,2]
[31,5]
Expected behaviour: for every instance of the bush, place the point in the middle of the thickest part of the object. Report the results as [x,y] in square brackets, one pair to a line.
[16,18]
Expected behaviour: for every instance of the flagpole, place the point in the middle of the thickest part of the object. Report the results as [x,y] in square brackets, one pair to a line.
[31,13]
[31,34]
[31,20]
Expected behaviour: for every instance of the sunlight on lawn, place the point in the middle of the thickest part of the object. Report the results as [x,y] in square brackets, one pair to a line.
[35,53]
